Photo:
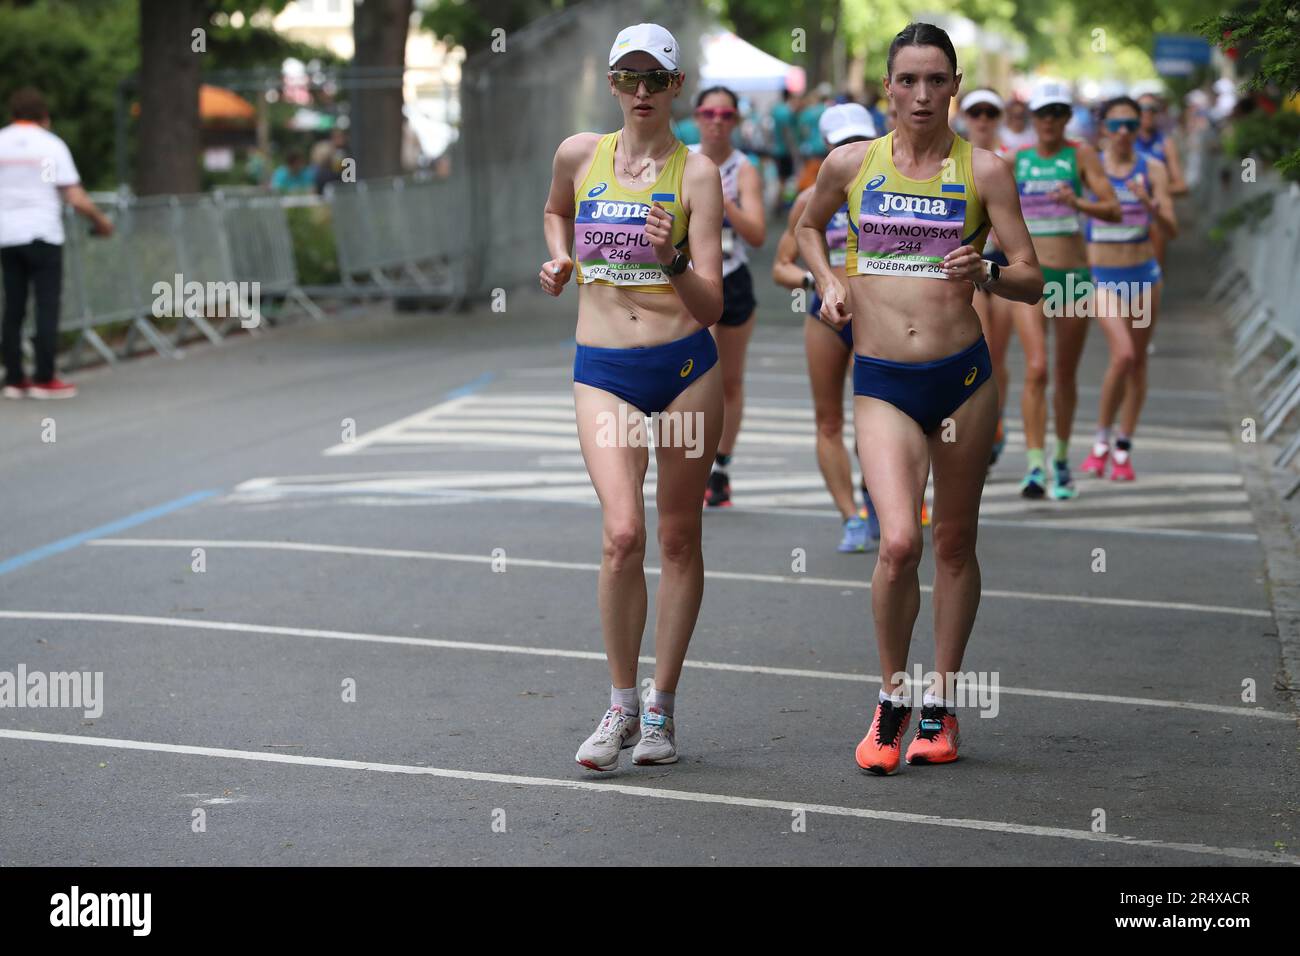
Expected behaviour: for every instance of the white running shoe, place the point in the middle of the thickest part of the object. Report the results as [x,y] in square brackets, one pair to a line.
[615,731]
[658,738]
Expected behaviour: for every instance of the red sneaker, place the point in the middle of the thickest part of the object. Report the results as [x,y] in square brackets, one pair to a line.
[54,388]
[1122,469]
[19,390]
[878,752]
[936,737]
[1095,463]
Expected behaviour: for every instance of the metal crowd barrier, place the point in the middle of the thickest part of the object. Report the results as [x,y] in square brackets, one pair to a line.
[405,235]
[218,241]
[402,235]
[1259,284]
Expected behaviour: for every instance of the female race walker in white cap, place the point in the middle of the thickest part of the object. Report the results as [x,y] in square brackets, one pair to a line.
[829,349]
[644,217]
[983,110]
[921,201]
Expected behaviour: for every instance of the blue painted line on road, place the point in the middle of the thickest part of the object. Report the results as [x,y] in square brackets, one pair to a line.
[121,524]
[469,388]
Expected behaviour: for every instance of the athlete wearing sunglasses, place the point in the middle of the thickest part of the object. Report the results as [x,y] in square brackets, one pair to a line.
[1051,177]
[983,111]
[1152,143]
[743,223]
[1128,280]
[643,217]
[656,81]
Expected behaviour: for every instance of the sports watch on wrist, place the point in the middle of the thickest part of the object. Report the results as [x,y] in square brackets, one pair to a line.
[678,265]
[991,274]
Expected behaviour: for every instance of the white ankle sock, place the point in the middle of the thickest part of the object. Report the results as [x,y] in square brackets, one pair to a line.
[934,700]
[662,700]
[624,697]
[900,697]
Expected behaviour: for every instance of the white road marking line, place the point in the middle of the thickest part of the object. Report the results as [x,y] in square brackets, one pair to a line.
[586,566]
[369,638]
[385,432]
[576,486]
[655,793]
[1088,502]
[1095,525]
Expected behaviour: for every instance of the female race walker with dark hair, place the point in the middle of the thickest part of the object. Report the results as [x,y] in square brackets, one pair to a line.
[921,202]
[638,207]
[716,111]
[1128,279]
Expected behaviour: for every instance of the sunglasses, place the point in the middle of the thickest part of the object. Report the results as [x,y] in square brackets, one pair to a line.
[1115,125]
[1054,111]
[983,112]
[725,115]
[656,81]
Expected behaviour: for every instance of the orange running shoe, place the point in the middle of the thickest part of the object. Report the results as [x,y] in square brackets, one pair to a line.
[925,516]
[936,737]
[879,750]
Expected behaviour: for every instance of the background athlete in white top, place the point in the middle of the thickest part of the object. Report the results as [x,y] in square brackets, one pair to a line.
[743,223]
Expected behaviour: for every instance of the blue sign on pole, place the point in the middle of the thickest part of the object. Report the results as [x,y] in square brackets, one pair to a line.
[1180,55]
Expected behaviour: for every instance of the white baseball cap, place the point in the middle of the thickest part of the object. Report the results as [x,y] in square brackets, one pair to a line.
[839,122]
[647,38]
[1048,93]
[1147,88]
[976,97]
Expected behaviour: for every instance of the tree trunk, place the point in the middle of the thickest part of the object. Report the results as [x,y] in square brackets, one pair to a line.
[167,160]
[821,40]
[379,35]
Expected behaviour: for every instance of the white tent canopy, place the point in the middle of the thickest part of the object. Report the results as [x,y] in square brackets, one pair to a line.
[728,60]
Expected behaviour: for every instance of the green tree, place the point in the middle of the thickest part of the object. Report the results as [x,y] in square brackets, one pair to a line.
[470,24]
[1267,32]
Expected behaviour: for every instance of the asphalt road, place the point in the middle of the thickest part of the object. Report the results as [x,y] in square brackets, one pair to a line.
[366,563]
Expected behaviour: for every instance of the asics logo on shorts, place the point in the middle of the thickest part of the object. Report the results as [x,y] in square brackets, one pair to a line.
[970,376]
[686,369]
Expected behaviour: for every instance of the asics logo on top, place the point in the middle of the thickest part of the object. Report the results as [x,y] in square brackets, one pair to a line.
[597,189]
[876,181]
[686,369]
[970,376]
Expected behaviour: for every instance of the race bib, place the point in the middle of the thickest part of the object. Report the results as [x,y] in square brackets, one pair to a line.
[1134,225]
[902,234]
[1043,214]
[610,243]
[837,238]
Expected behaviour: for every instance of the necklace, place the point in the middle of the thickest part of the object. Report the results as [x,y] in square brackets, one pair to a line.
[648,159]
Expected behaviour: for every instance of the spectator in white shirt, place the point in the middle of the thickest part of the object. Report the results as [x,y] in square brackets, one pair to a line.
[36,173]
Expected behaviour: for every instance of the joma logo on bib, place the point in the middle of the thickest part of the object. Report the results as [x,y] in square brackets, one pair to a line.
[619,210]
[896,202]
